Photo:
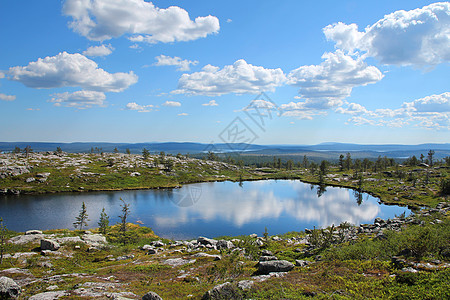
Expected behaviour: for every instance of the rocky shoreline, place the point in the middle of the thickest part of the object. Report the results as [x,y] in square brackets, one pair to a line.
[179,255]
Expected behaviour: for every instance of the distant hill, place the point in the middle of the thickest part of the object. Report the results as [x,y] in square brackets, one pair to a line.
[321,151]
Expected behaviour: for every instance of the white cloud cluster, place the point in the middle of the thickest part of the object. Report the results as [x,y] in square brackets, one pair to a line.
[171,103]
[138,107]
[211,103]
[181,64]
[432,112]
[102,50]
[72,70]
[326,85]
[78,99]
[5,97]
[239,78]
[100,20]
[419,37]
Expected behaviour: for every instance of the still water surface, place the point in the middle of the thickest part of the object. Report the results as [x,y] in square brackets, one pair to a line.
[203,209]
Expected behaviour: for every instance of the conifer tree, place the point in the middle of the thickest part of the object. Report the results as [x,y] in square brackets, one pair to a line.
[103,223]
[123,217]
[82,218]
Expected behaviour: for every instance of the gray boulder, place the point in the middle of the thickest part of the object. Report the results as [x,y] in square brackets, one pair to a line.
[302,263]
[223,244]
[266,267]
[205,241]
[9,289]
[25,239]
[51,245]
[151,296]
[48,295]
[94,240]
[223,291]
[29,232]
[268,258]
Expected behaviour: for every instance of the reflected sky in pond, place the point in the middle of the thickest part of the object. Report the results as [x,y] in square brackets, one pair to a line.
[208,209]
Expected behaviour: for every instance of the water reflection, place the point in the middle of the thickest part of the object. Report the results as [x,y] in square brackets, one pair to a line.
[212,209]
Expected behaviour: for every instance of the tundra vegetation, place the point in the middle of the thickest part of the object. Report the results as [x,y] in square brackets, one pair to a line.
[400,258]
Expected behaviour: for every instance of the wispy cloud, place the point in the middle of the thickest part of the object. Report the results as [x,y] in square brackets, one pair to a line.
[181,64]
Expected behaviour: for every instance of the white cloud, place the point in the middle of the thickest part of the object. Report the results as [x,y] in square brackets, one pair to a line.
[5,97]
[211,103]
[139,108]
[239,78]
[183,114]
[171,103]
[79,99]
[352,109]
[2,75]
[419,37]
[33,109]
[102,50]
[70,70]
[181,64]
[326,85]
[229,20]
[100,20]
[432,112]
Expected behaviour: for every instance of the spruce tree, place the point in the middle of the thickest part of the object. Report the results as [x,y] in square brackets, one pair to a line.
[123,217]
[82,218]
[103,223]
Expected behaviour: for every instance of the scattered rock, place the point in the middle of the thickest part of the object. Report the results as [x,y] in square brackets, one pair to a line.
[266,253]
[245,284]
[223,291]
[49,295]
[267,258]
[29,232]
[265,267]
[125,257]
[205,241]
[25,239]
[223,244]
[302,263]
[151,296]
[201,254]
[94,240]
[9,289]
[47,244]
[176,262]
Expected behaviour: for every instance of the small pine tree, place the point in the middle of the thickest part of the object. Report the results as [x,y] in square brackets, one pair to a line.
[145,153]
[82,218]
[103,223]
[123,217]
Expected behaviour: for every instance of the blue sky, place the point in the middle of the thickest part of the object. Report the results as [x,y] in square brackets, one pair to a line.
[133,71]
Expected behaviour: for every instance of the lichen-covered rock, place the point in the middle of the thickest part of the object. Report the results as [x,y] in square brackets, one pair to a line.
[9,289]
[223,291]
[151,296]
[266,267]
[51,245]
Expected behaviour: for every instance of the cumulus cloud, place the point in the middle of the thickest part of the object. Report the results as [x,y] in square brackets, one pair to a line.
[181,64]
[100,20]
[419,37]
[5,97]
[326,85]
[432,112]
[139,108]
[211,103]
[79,99]
[239,78]
[183,114]
[70,70]
[171,103]
[102,50]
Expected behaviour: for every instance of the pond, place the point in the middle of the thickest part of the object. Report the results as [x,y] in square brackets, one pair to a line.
[204,209]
